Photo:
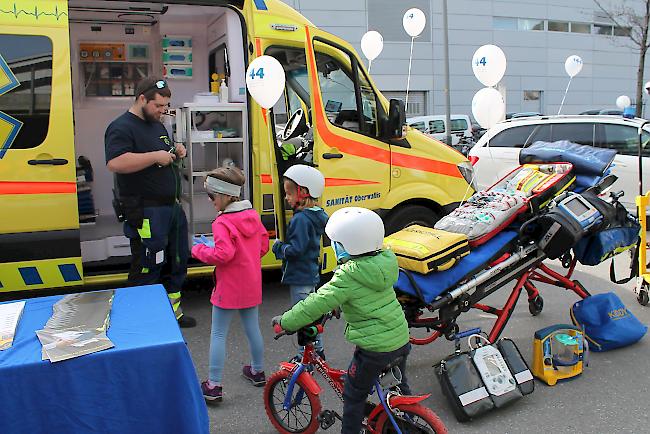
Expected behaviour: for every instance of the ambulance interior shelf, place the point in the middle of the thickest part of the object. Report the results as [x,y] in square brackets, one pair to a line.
[214,135]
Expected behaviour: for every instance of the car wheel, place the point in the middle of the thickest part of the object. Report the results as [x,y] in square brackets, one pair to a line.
[410,215]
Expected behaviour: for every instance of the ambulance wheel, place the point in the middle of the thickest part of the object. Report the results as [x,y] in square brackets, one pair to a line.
[536,305]
[410,215]
[643,298]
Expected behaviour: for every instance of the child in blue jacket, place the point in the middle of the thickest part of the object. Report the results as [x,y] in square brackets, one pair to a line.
[300,252]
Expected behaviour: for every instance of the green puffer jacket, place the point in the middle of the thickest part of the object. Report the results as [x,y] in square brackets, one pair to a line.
[363,288]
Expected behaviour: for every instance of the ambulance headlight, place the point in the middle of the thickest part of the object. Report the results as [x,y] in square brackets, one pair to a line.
[467,170]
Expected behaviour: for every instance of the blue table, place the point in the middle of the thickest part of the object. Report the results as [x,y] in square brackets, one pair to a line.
[145,384]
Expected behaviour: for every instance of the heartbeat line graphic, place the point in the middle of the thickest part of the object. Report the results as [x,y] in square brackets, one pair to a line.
[16,12]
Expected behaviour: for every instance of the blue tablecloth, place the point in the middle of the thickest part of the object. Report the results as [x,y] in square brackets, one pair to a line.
[145,384]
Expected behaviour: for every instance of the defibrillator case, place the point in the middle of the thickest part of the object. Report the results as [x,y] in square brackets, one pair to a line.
[424,250]
[465,390]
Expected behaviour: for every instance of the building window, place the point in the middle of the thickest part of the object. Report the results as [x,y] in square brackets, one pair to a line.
[504,23]
[382,13]
[558,26]
[532,95]
[580,28]
[27,90]
[530,24]
[603,29]
[621,31]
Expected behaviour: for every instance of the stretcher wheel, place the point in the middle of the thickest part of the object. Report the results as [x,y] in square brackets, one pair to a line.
[642,297]
[536,305]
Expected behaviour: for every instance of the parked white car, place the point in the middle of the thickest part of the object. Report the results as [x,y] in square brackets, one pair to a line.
[435,126]
[497,152]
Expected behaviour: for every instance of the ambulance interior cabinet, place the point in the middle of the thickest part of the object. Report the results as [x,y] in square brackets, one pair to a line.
[215,135]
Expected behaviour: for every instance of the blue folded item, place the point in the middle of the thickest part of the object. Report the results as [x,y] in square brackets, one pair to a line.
[586,160]
[606,322]
[432,285]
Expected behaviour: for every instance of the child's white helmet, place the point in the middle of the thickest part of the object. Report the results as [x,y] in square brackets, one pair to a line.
[308,177]
[359,230]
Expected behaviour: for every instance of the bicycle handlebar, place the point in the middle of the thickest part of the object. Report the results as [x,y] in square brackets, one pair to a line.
[310,330]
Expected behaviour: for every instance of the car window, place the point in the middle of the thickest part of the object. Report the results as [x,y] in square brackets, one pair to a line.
[625,139]
[581,133]
[437,126]
[458,125]
[512,137]
[418,126]
[540,133]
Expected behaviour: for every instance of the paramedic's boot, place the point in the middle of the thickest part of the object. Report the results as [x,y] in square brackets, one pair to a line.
[186,321]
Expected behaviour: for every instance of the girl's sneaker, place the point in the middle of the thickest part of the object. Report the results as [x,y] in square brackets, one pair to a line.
[211,393]
[258,379]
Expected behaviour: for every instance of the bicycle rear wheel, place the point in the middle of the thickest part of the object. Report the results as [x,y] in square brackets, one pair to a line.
[302,417]
[411,419]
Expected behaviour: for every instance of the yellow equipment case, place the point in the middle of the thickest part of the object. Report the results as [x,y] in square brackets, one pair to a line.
[423,249]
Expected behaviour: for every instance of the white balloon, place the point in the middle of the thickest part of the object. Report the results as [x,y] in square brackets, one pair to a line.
[623,101]
[488,107]
[489,64]
[372,43]
[414,21]
[573,65]
[265,80]
[647,87]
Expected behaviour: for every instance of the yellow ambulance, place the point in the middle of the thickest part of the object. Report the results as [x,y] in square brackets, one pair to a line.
[69,67]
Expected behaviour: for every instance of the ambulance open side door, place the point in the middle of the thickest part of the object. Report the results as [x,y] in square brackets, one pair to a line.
[39,222]
[345,114]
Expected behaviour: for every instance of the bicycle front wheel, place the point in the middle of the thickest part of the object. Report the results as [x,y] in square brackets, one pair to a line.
[411,419]
[302,417]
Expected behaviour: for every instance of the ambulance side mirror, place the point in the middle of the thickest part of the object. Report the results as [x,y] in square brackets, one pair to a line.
[395,126]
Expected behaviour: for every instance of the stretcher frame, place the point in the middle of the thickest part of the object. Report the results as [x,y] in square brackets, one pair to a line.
[525,269]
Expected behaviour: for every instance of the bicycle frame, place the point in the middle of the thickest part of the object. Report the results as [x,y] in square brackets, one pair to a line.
[335,378]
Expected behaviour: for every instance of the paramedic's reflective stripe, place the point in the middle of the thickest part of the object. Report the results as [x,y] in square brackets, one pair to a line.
[473,396]
[145,231]
[175,300]
[13,187]
[365,150]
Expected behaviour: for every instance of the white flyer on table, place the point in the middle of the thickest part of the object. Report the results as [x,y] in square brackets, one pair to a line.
[9,316]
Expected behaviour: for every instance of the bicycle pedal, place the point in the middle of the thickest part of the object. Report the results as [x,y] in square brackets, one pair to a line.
[327,418]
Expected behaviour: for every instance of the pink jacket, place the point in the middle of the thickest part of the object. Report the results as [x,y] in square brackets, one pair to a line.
[240,241]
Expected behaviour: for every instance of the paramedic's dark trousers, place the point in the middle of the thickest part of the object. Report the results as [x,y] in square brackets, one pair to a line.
[160,251]
[364,369]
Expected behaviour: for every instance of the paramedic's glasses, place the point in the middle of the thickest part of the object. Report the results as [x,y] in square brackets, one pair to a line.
[211,196]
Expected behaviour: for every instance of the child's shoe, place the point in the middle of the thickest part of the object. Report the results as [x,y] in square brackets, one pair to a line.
[258,379]
[211,393]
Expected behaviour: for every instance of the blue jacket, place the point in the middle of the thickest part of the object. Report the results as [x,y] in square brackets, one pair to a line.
[300,253]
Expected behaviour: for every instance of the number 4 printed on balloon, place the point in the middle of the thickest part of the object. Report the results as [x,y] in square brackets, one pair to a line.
[259,73]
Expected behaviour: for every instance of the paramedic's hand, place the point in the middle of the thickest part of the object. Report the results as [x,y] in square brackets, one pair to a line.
[181,152]
[163,158]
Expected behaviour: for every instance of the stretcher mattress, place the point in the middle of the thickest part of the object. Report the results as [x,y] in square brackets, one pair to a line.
[432,285]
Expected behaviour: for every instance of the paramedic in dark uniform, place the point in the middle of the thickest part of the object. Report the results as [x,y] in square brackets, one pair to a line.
[141,154]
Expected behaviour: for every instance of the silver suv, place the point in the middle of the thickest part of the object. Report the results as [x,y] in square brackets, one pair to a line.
[497,152]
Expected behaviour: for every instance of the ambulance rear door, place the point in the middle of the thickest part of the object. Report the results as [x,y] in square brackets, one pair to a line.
[39,223]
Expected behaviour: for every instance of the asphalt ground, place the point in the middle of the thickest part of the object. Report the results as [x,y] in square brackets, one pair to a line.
[609,397]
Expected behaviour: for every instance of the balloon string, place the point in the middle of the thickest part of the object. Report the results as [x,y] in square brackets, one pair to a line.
[369,65]
[564,97]
[408,80]
[271,160]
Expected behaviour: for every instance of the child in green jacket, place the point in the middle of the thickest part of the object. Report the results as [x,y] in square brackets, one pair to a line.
[363,288]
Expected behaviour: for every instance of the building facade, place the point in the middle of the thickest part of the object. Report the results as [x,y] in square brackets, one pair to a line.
[536,36]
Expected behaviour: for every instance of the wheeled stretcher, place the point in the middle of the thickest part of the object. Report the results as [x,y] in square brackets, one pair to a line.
[435,301]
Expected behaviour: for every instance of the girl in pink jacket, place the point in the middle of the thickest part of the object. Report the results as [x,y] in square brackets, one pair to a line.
[240,241]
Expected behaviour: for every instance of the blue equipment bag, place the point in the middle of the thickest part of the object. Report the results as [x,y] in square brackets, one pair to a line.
[606,322]
[586,160]
[599,247]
